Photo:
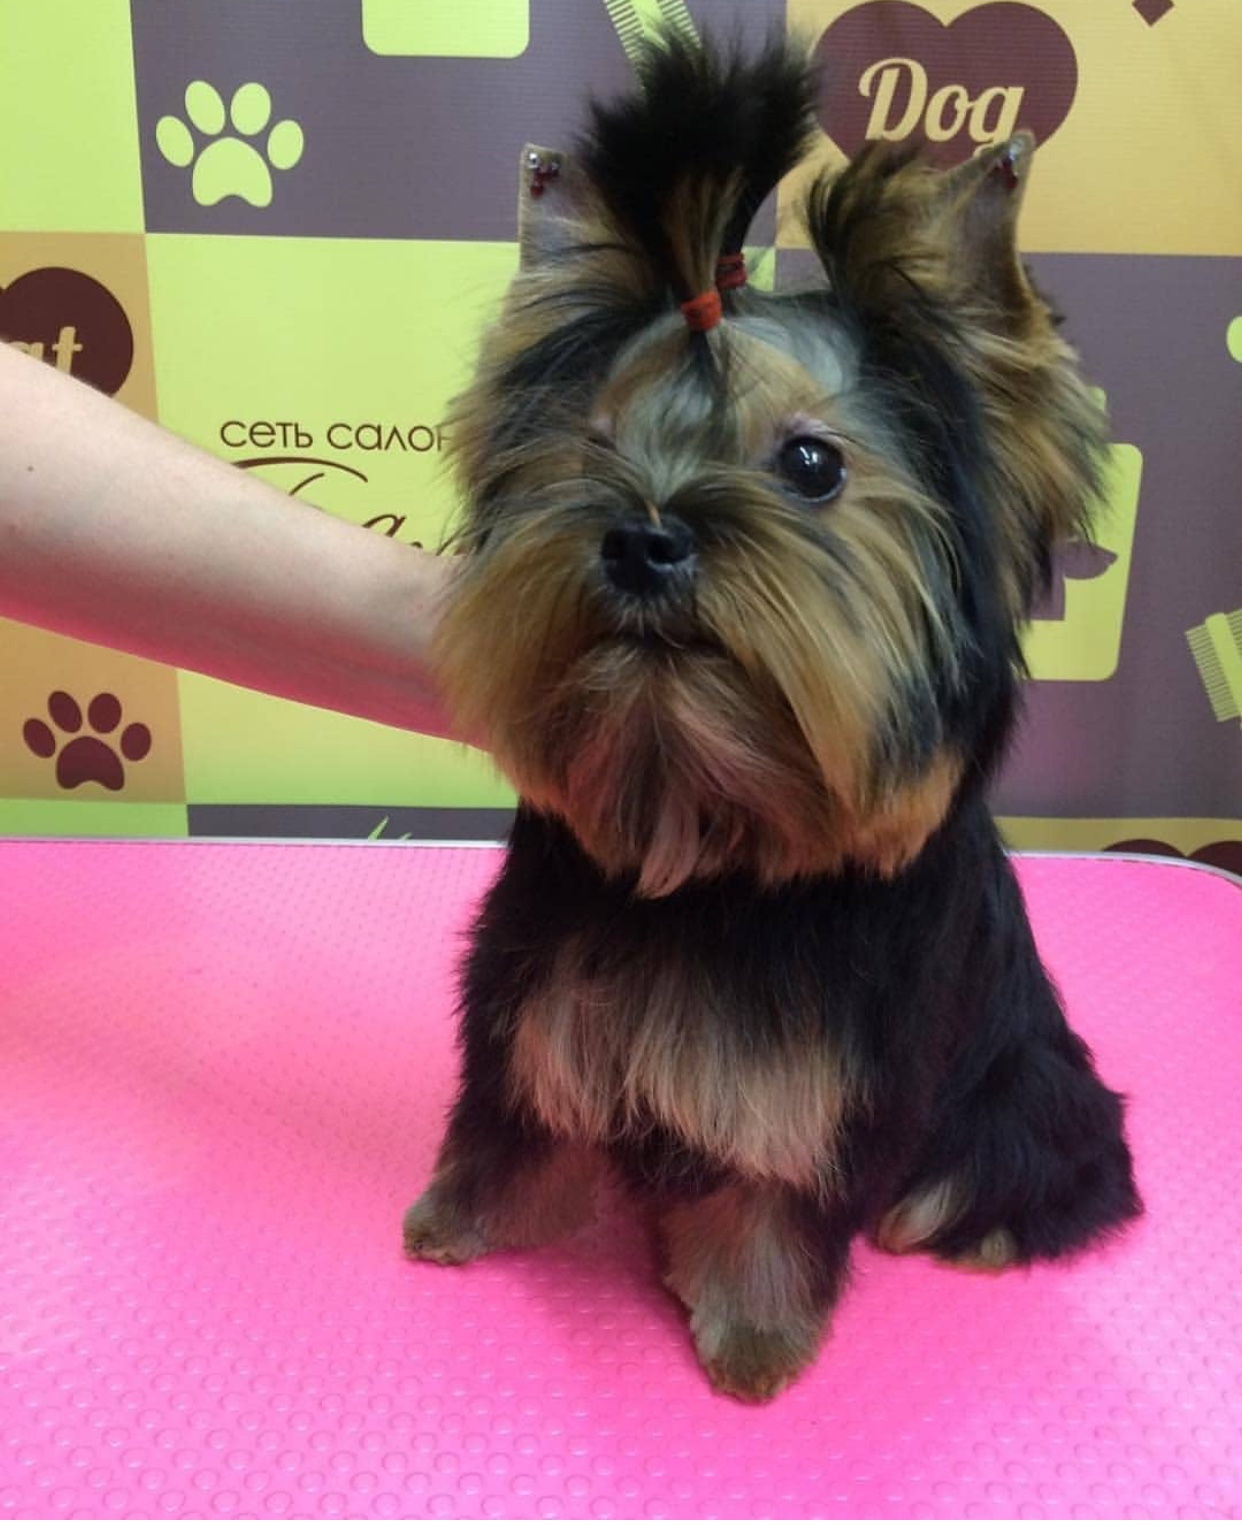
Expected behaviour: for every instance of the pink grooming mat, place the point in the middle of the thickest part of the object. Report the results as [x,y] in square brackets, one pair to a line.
[224,1073]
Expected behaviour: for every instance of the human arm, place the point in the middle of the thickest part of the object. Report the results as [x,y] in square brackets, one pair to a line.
[117,532]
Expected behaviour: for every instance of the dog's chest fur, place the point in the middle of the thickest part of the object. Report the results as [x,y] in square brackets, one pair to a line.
[602,1052]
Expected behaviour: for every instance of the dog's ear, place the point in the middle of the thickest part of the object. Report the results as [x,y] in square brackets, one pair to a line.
[894,233]
[552,199]
[978,206]
[923,265]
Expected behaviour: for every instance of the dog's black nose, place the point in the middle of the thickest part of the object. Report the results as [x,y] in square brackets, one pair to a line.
[645,558]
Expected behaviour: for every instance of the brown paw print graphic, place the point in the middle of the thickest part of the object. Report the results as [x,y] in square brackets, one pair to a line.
[87,759]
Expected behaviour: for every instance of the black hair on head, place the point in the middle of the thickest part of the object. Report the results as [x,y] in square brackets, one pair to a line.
[683,164]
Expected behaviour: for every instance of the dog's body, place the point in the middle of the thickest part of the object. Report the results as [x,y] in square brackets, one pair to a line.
[740,620]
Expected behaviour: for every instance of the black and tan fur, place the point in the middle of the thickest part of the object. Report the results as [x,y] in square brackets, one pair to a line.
[756,948]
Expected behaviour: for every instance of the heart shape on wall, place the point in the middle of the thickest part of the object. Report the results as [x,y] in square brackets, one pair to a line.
[891,71]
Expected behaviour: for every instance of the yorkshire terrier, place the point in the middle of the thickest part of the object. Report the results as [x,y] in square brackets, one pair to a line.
[738,613]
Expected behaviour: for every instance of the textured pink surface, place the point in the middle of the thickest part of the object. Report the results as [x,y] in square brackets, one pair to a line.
[224,1071]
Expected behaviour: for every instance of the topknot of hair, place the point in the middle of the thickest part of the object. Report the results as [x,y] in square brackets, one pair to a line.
[682,164]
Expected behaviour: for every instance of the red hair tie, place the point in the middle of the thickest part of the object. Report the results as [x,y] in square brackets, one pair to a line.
[730,272]
[703,312]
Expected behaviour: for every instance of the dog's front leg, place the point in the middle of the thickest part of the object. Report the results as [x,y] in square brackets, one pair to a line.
[760,1267]
[500,1182]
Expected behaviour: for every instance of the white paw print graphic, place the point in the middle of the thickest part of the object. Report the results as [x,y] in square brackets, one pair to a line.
[233,162]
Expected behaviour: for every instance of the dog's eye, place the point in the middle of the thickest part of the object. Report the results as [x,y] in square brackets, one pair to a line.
[813,468]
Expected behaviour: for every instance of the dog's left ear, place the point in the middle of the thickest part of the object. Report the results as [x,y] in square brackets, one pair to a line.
[896,237]
[978,206]
[1050,448]
[552,197]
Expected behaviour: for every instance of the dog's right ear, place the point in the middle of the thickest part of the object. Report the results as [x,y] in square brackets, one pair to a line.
[552,199]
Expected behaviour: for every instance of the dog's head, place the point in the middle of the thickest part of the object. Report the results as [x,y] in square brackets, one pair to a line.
[744,571]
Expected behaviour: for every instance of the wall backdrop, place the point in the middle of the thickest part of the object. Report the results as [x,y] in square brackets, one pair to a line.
[278,228]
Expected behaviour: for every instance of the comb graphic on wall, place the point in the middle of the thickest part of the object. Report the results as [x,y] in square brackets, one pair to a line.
[636,20]
[1216,646]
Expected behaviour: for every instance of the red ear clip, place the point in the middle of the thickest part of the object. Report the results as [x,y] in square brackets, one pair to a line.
[703,312]
[1005,168]
[543,169]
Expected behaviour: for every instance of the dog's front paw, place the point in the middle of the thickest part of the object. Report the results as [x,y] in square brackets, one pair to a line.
[994,1253]
[753,1364]
[435,1228]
